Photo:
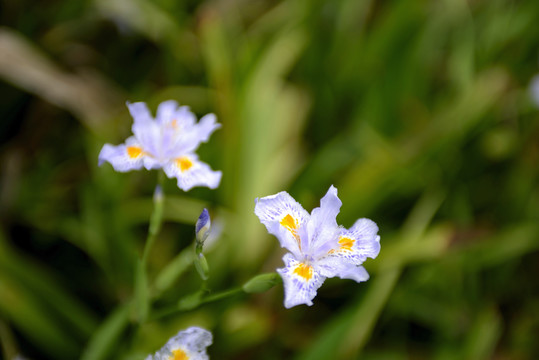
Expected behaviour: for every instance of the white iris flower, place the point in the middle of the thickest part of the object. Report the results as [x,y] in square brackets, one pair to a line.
[169,142]
[534,90]
[319,248]
[189,344]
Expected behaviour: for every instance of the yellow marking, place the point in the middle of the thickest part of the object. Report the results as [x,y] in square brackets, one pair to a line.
[134,152]
[345,244]
[178,355]
[305,271]
[291,225]
[184,163]
[174,123]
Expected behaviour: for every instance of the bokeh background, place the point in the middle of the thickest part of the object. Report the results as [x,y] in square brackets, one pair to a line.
[417,111]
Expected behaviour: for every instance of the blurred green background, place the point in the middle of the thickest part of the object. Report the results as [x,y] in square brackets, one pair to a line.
[417,111]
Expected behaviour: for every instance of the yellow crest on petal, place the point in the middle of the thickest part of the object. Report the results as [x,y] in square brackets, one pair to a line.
[178,355]
[184,163]
[305,271]
[134,152]
[346,243]
[291,225]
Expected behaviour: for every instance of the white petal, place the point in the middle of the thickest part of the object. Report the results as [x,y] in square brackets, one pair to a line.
[149,135]
[206,126]
[193,342]
[334,266]
[285,218]
[323,226]
[195,173]
[194,135]
[123,158]
[185,118]
[166,112]
[140,112]
[300,282]
[359,242]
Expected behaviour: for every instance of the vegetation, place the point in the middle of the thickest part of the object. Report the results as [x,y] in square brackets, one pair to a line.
[417,111]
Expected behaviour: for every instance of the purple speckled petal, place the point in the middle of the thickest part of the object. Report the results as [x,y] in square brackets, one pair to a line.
[300,282]
[276,210]
[359,242]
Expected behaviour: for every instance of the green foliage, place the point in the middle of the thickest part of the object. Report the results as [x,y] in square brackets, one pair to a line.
[418,112]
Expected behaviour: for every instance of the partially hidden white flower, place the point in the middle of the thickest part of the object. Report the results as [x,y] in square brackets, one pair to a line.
[188,344]
[169,142]
[534,90]
[319,248]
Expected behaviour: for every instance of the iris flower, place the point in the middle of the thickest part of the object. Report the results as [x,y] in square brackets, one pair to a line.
[167,142]
[188,344]
[318,247]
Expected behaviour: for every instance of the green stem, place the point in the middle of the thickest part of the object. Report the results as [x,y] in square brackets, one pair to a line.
[222,295]
[191,302]
[257,284]
[142,295]
[156,218]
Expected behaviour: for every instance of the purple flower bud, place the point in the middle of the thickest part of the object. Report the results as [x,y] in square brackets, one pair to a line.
[203,225]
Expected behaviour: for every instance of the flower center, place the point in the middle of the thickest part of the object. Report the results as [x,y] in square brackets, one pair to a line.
[305,271]
[134,152]
[178,355]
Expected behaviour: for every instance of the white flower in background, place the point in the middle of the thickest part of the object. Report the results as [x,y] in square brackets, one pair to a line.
[189,344]
[534,90]
[169,142]
[319,248]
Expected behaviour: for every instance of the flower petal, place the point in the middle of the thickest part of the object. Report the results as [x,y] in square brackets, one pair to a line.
[332,266]
[323,226]
[166,112]
[206,126]
[359,242]
[285,218]
[124,157]
[198,133]
[300,282]
[190,172]
[140,112]
[150,136]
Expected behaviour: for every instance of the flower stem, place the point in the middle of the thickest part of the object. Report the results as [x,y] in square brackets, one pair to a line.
[156,218]
[142,293]
[257,284]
